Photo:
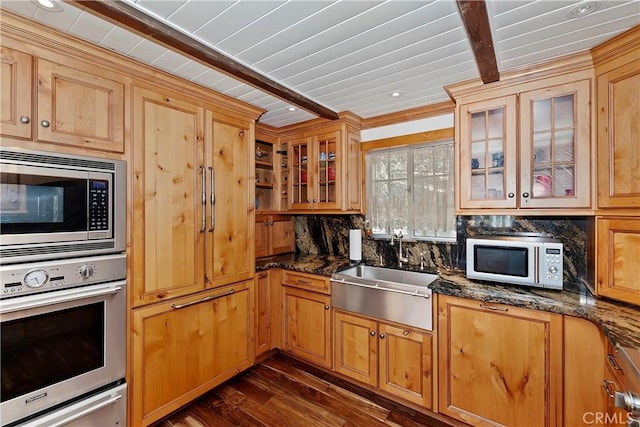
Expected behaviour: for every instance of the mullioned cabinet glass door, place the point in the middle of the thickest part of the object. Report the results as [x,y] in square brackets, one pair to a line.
[301,189]
[327,171]
[555,147]
[487,154]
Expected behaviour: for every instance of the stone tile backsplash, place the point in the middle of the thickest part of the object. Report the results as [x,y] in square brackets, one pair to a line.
[329,235]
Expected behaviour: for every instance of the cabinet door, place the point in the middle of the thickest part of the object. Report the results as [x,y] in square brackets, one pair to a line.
[167,174]
[15,93]
[184,348]
[262,336]
[619,135]
[307,325]
[327,170]
[300,179]
[555,149]
[79,108]
[487,154]
[405,363]
[262,236]
[500,365]
[230,239]
[282,235]
[356,347]
[583,371]
[618,269]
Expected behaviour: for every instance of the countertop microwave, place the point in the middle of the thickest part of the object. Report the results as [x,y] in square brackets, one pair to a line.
[520,260]
[60,206]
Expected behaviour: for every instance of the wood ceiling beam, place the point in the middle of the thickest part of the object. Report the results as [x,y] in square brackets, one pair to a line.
[476,22]
[127,16]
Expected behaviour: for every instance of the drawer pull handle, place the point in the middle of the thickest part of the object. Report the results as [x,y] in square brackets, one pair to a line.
[493,307]
[205,299]
[613,363]
[607,390]
[304,282]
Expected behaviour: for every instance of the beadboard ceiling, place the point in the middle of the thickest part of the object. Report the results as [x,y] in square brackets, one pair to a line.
[346,55]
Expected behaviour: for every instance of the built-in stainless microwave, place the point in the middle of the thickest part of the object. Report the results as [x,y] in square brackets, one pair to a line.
[59,206]
[519,260]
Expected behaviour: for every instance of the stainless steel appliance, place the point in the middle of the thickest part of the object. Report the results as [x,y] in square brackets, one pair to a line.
[519,260]
[59,206]
[63,333]
[397,295]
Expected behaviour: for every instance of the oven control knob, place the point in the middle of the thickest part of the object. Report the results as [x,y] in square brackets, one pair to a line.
[86,271]
[35,278]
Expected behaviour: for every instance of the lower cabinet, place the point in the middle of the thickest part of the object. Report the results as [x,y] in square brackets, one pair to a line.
[274,235]
[268,310]
[185,347]
[307,318]
[395,359]
[501,365]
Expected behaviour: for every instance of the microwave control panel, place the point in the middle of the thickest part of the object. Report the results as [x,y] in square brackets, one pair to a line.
[552,265]
[98,205]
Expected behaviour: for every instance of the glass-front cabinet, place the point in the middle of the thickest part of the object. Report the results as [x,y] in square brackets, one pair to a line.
[544,165]
[314,171]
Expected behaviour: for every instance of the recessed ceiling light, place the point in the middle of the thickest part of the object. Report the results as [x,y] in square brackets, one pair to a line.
[291,108]
[583,9]
[48,5]
[395,94]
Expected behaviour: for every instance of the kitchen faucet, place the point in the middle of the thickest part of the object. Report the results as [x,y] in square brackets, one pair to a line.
[398,236]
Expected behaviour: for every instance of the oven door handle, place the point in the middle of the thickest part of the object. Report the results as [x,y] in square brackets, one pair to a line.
[85,412]
[39,300]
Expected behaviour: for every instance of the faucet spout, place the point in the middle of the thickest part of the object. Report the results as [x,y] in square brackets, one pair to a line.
[398,236]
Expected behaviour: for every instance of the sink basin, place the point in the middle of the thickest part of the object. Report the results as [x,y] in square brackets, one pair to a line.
[397,295]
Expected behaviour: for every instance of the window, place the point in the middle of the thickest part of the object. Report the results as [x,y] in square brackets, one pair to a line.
[410,188]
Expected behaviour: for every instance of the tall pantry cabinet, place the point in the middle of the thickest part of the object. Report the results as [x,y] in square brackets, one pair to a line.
[192,250]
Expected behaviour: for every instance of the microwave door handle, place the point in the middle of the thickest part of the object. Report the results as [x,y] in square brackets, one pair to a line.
[80,414]
[536,265]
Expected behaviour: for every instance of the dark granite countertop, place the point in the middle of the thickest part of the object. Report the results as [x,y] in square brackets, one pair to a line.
[620,322]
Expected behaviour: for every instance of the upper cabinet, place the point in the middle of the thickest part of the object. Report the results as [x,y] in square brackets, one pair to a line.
[76,104]
[324,169]
[617,68]
[524,144]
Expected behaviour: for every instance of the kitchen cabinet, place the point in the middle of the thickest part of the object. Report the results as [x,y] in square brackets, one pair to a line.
[75,104]
[394,358]
[268,310]
[180,243]
[583,371]
[307,317]
[546,165]
[184,347]
[617,69]
[617,267]
[614,380]
[499,365]
[325,170]
[274,235]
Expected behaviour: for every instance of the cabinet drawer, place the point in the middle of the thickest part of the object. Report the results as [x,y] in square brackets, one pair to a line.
[307,281]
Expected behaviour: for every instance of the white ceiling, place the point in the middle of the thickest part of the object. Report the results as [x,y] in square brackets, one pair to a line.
[347,55]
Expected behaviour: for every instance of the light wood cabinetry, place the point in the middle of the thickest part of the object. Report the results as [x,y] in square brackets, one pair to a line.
[524,143]
[325,169]
[584,349]
[183,245]
[614,380]
[394,358]
[268,310]
[82,107]
[274,235]
[307,317]
[185,347]
[500,364]
[617,266]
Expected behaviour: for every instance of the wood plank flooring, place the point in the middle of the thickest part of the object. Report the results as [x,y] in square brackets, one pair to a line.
[282,391]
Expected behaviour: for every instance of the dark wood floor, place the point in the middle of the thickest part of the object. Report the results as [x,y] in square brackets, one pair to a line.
[282,391]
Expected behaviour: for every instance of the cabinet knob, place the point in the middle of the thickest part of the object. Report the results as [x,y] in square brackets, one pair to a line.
[266,223]
[315,201]
[327,307]
[308,201]
[382,336]
[372,333]
[511,195]
[45,123]
[525,195]
[24,119]
[271,223]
